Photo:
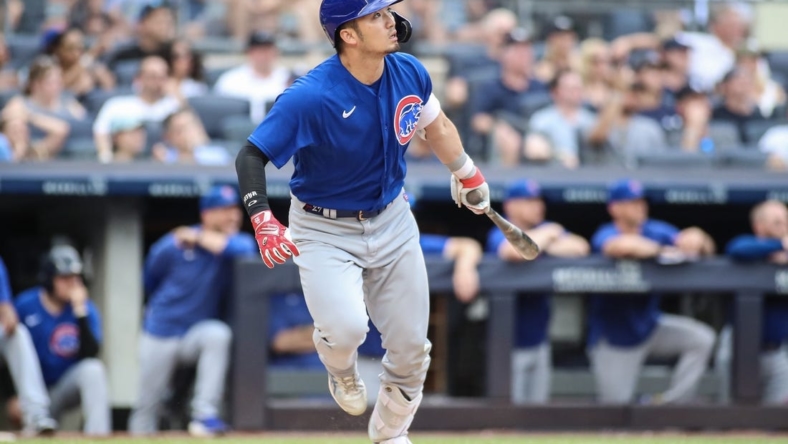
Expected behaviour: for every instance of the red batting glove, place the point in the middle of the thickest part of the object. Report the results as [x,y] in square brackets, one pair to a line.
[273,239]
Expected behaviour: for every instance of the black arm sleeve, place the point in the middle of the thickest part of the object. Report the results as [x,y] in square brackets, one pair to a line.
[250,167]
[88,345]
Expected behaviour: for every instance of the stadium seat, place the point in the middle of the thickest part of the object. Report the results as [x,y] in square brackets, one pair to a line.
[532,103]
[674,159]
[94,100]
[623,21]
[79,148]
[237,128]
[725,135]
[154,132]
[744,158]
[80,128]
[213,74]
[213,109]
[778,62]
[23,48]
[125,71]
[753,131]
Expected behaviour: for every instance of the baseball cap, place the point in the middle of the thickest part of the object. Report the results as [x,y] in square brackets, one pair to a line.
[561,23]
[688,91]
[625,189]
[127,123]
[219,196]
[49,36]
[517,35]
[674,42]
[152,6]
[261,39]
[523,189]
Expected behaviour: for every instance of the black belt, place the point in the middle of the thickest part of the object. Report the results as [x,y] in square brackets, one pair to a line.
[336,214]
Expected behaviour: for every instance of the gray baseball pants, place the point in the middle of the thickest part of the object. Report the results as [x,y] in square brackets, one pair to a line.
[85,382]
[774,370]
[616,369]
[20,356]
[531,374]
[349,267]
[207,344]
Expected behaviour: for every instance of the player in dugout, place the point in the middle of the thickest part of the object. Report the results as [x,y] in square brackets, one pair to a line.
[66,330]
[768,242]
[187,273]
[624,331]
[531,358]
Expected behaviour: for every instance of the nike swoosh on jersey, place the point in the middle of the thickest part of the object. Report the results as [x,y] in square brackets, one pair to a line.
[347,114]
[32,320]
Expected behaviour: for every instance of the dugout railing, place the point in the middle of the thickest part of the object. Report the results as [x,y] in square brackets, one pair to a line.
[252,409]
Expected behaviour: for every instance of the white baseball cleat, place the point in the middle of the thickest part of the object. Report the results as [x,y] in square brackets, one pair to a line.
[349,392]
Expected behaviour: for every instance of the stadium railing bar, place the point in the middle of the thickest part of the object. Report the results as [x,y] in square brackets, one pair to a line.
[251,408]
[429,182]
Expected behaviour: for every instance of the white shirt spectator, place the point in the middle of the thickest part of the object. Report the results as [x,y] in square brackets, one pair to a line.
[132,106]
[775,142]
[564,135]
[710,59]
[193,88]
[242,82]
[203,155]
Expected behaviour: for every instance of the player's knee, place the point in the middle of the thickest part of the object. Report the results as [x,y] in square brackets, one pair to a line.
[217,334]
[348,335]
[92,370]
[704,339]
[21,334]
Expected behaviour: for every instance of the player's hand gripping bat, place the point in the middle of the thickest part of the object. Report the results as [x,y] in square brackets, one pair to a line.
[519,240]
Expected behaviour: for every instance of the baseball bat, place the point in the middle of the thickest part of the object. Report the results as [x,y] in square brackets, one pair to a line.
[519,240]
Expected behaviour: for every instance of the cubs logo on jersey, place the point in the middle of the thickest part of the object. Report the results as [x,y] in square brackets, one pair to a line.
[406,117]
[64,341]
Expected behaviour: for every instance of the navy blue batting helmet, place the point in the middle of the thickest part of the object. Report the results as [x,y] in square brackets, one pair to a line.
[335,13]
[62,260]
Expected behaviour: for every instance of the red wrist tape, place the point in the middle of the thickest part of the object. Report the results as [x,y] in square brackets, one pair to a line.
[474,181]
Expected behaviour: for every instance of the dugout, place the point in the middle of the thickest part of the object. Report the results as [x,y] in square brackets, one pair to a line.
[114,213]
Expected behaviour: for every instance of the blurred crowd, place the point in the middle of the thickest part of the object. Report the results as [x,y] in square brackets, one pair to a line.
[547,92]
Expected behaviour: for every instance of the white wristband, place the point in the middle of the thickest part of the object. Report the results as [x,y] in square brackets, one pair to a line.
[466,170]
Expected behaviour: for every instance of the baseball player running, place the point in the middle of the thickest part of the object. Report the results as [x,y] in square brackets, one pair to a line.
[19,353]
[347,124]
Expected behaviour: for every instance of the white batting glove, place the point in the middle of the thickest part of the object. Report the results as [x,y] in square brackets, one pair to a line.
[461,187]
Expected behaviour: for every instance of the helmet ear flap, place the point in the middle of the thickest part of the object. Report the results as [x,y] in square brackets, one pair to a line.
[404,28]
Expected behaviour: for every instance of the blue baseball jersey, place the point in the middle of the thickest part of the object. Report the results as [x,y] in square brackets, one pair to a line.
[289,311]
[626,321]
[748,247]
[433,243]
[185,285]
[56,338]
[347,139]
[5,284]
[533,311]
